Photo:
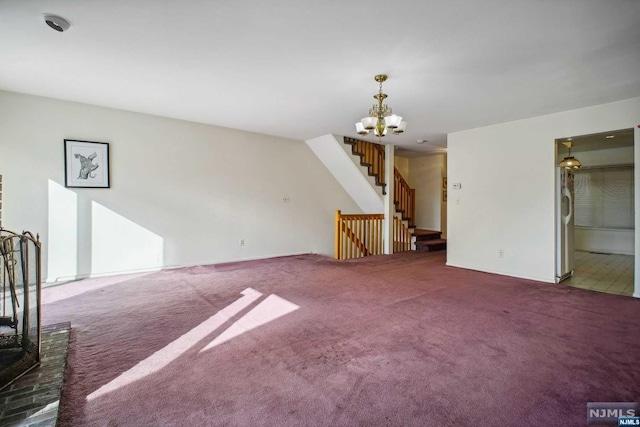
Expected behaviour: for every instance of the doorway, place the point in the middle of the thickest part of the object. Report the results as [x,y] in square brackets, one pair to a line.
[595,212]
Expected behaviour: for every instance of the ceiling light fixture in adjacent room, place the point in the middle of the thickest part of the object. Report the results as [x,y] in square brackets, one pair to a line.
[570,162]
[381,119]
[57,23]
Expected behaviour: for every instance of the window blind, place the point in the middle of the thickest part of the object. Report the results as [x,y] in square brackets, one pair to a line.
[604,197]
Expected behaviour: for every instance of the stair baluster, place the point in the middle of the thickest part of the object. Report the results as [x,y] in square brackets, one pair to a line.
[404,198]
[358,235]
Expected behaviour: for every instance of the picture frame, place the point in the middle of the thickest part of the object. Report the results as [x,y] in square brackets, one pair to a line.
[86,164]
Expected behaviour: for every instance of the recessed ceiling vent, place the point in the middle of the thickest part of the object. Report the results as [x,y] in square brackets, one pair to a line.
[57,23]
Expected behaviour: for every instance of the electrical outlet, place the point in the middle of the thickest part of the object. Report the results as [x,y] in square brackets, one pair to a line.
[501,253]
[242,242]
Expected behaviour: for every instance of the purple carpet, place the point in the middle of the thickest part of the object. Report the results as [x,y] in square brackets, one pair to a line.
[390,340]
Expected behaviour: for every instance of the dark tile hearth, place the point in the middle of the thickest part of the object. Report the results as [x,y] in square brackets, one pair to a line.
[33,399]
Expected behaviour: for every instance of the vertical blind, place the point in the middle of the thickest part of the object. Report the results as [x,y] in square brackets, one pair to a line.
[604,197]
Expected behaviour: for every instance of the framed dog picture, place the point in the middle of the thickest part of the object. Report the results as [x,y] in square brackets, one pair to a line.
[86,164]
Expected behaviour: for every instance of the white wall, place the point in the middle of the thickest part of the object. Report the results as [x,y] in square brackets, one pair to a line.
[425,175]
[604,240]
[402,164]
[182,193]
[636,179]
[510,205]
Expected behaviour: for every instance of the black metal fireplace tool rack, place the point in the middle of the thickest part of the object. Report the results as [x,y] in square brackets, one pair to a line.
[20,302]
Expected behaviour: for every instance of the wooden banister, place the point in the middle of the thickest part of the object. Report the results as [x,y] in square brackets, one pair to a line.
[358,235]
[404,198]
[401,236]
[371,156]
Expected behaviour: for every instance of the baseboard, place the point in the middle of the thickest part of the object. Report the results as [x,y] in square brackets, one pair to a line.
[107,274]
[229,261]
[167,267]
[606,251]
[502,273]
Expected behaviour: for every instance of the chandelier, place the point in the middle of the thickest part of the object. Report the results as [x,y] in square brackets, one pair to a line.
[570,162]
[381,119]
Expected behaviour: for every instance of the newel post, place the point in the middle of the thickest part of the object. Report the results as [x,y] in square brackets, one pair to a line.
[389,206]
[337,243]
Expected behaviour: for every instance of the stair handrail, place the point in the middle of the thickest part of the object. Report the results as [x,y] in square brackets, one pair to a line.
[372,156]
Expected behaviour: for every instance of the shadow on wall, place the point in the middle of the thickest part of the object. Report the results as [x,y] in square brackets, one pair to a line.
[92,240]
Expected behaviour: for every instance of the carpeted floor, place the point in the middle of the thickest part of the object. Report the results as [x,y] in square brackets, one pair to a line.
[306,340]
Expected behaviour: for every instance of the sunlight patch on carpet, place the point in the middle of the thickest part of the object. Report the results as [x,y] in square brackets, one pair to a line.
[271,308]
[166,355]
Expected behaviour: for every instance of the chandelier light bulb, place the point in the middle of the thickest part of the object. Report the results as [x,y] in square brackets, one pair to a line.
[401,127]
[377,133]
[392,122]
[369,123]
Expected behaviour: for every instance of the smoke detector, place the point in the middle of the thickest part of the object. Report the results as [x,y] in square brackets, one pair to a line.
[57,23]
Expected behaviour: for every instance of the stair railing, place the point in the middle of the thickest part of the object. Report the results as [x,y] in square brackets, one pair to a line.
[404,198]
[401,236]
[358,235]
[371,156]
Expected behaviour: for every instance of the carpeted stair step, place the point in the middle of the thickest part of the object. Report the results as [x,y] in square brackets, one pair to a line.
[431,245]
[422,235]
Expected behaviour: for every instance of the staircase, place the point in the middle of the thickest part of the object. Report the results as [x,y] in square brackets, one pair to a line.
[372,157]
[429,240]
[359,166]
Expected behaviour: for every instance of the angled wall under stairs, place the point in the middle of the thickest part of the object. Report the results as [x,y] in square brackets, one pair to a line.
[333,153]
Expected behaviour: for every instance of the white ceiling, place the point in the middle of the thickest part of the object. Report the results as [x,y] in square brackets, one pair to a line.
[301,69]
